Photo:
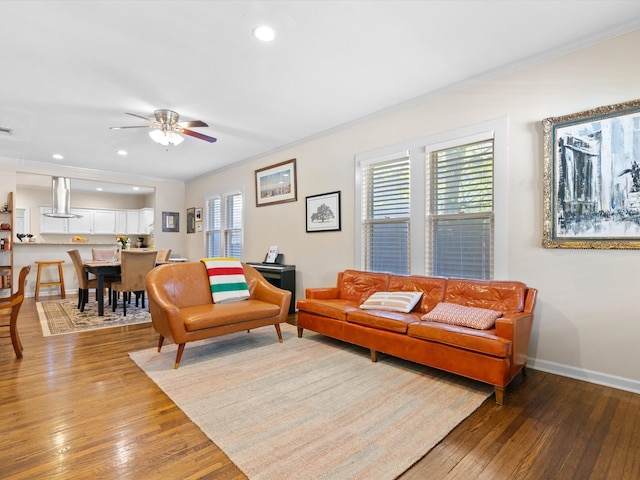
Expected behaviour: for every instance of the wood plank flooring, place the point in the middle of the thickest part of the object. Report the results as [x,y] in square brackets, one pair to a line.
[77,407]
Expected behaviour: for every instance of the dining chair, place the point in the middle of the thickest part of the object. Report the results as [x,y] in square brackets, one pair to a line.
[163,255]
[134,267]
[9,310]
[107,254]
[84,282]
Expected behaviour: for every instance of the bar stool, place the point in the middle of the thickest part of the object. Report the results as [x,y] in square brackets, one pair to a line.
[59,283]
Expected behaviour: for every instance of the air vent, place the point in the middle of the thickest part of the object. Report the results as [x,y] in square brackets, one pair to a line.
[6,130]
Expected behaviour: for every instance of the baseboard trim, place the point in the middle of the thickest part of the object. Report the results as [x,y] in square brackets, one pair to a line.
[590,376]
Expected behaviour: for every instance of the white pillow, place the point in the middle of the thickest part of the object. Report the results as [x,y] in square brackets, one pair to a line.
[392,301]
[454,314]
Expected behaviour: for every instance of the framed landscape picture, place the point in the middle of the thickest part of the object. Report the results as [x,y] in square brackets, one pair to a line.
[591,190]
[276,184]
[323,212]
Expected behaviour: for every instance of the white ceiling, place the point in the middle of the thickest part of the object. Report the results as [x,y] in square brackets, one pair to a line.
[71,69]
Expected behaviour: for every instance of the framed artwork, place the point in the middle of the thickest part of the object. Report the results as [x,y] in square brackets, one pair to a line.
[276,184]
[170,222]
[191,220]
[323,212]
[591,190]
[198,214]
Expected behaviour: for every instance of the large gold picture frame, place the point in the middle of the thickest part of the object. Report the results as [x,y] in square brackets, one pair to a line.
[591,190]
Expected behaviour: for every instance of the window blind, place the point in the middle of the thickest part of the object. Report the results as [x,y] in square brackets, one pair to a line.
[223,231]
[385,216]
[460,223]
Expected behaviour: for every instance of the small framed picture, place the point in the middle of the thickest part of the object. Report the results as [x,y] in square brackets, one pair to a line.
[198,214]
[323,212]
[170,222]
[191,220]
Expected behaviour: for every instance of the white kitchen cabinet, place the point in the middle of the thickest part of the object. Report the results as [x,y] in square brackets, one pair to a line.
[121,222]
[82,224]
[146,220]
[50,224]
[133,222]
[104,222]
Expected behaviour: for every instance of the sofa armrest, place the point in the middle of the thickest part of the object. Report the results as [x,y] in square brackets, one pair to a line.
[264,291]
[326,293]
[517,329]
[165,316]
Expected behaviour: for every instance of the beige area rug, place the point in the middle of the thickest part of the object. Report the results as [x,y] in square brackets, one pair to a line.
[58,317]
[311,408]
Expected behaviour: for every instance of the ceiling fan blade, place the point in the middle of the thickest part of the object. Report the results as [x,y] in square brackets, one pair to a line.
[193,123]
[191,133]
[135,126]
[139,116]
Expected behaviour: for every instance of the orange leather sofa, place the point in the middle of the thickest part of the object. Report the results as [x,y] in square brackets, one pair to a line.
[182,307]
[493,356]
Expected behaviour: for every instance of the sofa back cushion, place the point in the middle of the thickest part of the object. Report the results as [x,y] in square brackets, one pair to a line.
[504,296]
[182,284]
[432,289]
[356,286]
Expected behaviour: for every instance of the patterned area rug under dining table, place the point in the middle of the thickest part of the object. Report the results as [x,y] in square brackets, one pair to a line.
[58,317]
[311,407]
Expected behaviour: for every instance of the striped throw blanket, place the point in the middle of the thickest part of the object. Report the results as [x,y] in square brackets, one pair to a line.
[227,280]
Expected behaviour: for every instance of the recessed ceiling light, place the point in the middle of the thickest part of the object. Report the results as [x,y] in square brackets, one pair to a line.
[57,156]
[264,33]
[99,189]
[122,152]
[136,188]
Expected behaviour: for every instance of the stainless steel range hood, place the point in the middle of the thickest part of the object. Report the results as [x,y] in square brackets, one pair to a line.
[61,206]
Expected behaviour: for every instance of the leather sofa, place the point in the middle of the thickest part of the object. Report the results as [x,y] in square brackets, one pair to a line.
[182,307]
[494,355]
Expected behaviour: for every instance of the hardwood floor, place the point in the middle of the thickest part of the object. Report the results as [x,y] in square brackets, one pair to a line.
[77,407]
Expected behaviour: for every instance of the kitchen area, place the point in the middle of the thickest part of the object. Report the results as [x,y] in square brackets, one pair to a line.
[53,215]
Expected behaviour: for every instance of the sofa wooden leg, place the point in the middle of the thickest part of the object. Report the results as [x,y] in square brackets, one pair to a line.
[279,332]
[300,330]
[160,342]
[179,355]
[499,395]
[374,356]
[524,370]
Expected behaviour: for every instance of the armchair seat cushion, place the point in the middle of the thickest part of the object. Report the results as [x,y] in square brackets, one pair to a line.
[200,317]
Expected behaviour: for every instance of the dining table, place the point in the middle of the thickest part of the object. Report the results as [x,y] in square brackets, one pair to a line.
[101,269]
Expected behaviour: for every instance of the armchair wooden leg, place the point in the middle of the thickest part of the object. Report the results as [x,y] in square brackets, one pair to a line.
[160,342]
[279,331]
[179,355]
[499,395]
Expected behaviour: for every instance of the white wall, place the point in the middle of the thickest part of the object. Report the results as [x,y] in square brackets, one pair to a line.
[586,323]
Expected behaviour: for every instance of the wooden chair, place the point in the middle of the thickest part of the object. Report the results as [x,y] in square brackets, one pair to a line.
[84,282]
[163,255]
[134,267]
[9,310]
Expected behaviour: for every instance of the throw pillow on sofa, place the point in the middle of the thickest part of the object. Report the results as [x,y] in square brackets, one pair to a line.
[392,301]
[454,314]
[226,276]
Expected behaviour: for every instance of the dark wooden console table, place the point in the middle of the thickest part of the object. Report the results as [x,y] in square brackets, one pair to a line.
[281,276]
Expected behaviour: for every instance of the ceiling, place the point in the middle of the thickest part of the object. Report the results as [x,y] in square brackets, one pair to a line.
[71,69]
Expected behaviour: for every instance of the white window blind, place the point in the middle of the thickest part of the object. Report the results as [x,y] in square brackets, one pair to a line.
[460,206]
[223,235]
[385,216]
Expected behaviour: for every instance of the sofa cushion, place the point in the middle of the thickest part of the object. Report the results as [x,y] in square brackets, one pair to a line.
[223,314]
[482,341]
[392,301]
[502,295]
[357,286]
[383,320]
[332,308]
[453,314]
[226,276]
[432,289]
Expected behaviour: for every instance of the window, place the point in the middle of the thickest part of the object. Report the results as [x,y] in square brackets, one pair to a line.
[223,219]
[385,218]
[460,211]
[436,205]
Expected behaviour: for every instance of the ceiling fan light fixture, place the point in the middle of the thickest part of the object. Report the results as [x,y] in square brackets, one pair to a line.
[166,137]
[264,33]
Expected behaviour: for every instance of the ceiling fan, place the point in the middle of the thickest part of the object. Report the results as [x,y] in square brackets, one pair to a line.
[166,127]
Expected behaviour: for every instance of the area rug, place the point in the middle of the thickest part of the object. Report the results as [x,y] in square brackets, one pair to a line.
[312,407]
[58,317]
